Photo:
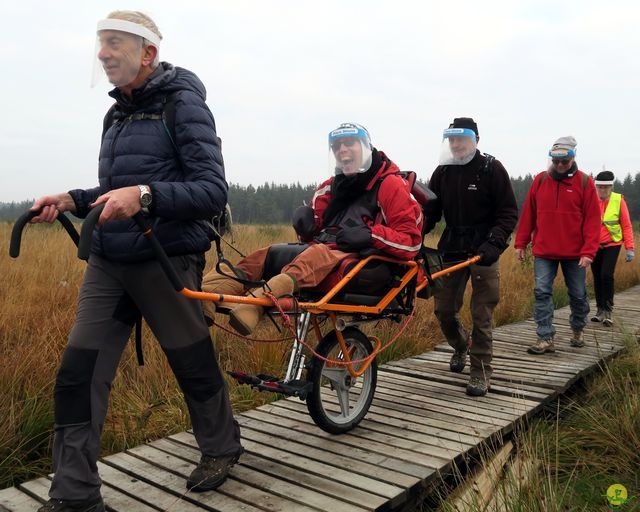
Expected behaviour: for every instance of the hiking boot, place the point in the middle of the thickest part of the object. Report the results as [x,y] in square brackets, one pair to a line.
[211,472]
[541,346]
[577,340]
[599,316]
[53,505]
[458,361]
[477,386]
[245,317]
[607,322]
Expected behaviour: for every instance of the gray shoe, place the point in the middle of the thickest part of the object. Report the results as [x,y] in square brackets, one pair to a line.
[541,346]
[607,322]
[53,505]
[458,361]
[599,316]
[477,386]
[211,472]
[577,340]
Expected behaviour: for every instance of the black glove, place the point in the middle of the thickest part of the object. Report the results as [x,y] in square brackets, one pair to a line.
[303,222]
[354,239]
[489,254]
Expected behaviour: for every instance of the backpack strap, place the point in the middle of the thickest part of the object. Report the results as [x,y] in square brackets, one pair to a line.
[108,120]
[488,163]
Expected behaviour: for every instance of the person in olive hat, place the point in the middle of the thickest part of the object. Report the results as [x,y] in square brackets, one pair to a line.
[615,230]
[479,207]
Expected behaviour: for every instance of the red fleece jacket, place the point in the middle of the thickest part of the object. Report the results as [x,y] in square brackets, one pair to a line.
[562,217]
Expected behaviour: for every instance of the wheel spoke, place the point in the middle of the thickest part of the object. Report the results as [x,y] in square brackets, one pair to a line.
[336,376]
[343,399]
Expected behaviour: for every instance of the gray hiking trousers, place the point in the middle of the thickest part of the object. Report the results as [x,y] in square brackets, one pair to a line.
[485,294]
[110,298]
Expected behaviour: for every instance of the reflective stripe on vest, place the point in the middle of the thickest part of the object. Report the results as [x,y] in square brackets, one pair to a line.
[611,218]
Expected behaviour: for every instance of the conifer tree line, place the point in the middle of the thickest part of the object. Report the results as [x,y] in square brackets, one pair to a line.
[274,204]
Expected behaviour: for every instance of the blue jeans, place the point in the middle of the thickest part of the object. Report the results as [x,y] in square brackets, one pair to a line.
[575,278]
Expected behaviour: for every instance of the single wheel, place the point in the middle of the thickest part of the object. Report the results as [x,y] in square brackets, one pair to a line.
[339,401]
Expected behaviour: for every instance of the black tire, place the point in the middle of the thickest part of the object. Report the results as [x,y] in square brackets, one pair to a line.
[323,400]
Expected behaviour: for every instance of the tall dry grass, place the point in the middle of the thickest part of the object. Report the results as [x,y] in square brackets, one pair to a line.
[38,296]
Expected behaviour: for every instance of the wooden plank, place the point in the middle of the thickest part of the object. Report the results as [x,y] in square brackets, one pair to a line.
[308,433]
[382,406]
[437,368]
[435,371]
[324,464]
[478,489]
[113,498]
[281,488]
[37,489]
[264,427]
[14,500]
[465,408]
[497,363]
[429,461]
[503,388]
[399,438]
[459,389]
[294,469]
[388,386]
[173,481]
[151,495]
[560,363]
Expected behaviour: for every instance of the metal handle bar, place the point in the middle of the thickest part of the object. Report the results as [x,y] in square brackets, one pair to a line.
[84,247]
[23,220]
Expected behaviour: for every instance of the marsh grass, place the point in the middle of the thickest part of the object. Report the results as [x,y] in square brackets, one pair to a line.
[38,297]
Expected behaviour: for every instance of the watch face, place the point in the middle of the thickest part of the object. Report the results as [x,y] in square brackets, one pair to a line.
[145,200]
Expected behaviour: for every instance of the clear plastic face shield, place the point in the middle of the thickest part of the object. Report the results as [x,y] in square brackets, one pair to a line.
[349,150]
[561,159]
[118,52]
[458,146]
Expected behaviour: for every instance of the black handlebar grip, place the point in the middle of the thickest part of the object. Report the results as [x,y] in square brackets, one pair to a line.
[86,233]
[161,255]
[23,220]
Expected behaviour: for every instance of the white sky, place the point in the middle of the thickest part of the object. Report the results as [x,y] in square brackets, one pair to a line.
[281,74]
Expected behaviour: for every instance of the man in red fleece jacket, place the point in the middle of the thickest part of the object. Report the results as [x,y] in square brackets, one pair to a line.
[562,214]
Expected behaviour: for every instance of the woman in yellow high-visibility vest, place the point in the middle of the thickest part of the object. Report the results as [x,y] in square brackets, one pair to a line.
[616,230]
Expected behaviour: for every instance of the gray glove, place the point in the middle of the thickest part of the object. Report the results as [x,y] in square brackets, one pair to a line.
[630,255]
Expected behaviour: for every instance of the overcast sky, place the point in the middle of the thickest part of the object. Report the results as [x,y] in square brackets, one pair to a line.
[281,74]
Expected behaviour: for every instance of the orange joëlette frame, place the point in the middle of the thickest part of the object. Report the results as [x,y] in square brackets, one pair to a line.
[324,306]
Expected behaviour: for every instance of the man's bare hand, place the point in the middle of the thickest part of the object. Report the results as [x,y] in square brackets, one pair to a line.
[520,253]
[119,204]
[52,206]
[584,262]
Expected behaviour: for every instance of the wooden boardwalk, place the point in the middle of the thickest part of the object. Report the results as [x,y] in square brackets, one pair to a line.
[420,422]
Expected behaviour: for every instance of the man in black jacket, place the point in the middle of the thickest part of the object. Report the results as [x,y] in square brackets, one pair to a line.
[480,212]
[177,184]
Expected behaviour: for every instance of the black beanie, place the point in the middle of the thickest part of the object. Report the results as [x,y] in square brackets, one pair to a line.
[605,178]
[465,122]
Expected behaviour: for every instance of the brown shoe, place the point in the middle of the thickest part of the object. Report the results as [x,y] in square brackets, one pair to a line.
[217,283]
[577,340]
[541,346]
[211,472]
[245,317]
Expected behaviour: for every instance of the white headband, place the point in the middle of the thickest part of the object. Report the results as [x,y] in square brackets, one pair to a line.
[131,28]
[601,182]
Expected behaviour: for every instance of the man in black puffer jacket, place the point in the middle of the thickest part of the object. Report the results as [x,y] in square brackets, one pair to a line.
[177,184]
[480,211]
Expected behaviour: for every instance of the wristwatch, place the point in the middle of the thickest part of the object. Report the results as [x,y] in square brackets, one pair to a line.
[145,198]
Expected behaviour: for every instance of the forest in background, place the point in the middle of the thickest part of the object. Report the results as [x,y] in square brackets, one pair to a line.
[274,204]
